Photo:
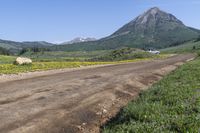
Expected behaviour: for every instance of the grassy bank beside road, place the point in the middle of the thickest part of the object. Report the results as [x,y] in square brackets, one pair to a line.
[171,105]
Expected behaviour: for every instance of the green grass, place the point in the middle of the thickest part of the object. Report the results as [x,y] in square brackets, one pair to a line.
[7,59]
[184,48]
[170,106]
[101,55]
[63,56]
[124,54]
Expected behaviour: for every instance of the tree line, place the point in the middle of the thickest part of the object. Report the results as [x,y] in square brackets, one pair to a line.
[34,50]
[4,51]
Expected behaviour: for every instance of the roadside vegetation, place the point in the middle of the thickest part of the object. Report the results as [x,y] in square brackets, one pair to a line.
[39,66]
[171,105]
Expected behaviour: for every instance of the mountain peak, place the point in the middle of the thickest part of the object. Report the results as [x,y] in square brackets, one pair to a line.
[155,14]
[150,21]
[153,11]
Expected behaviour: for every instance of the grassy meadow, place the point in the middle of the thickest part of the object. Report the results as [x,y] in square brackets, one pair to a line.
[49,56]
[58,60]
[190,46]
[170,106]
[6,59]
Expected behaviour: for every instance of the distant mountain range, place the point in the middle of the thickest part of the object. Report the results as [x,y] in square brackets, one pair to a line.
[152,29]
[79,40]
[14,47]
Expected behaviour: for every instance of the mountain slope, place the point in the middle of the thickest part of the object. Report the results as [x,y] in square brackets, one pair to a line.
[154,28]
[15,47]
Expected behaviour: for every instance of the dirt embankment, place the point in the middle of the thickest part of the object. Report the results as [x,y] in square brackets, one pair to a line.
[79,100]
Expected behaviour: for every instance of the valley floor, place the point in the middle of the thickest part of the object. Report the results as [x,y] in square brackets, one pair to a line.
[77,101]
[10,68]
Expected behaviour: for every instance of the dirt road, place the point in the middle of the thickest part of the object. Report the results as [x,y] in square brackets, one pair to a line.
[76,101]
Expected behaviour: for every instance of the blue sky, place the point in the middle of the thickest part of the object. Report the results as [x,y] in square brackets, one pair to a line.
[63,20]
